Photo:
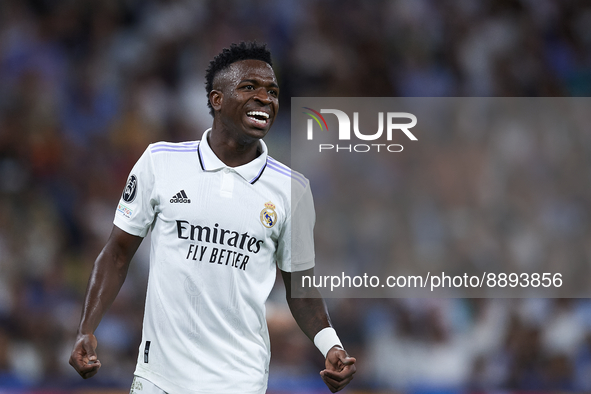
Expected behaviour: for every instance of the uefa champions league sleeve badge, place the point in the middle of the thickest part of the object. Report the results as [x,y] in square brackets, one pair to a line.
[268,215]
[130,189]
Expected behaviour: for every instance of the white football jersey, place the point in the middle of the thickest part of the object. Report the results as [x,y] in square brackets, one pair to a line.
[217,233]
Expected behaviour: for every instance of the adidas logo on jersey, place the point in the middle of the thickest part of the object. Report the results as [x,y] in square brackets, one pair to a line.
[180,197]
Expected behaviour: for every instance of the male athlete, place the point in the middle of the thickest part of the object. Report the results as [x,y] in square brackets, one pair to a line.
[220,212]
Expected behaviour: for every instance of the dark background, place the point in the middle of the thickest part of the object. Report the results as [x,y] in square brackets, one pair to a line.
[86,85]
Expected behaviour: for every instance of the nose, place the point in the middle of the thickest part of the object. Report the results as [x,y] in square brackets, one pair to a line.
[263,96]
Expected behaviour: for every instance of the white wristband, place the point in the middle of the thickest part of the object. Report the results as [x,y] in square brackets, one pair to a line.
[326,339]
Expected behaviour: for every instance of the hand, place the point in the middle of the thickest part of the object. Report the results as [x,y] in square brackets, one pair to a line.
[83,357]
[339,369]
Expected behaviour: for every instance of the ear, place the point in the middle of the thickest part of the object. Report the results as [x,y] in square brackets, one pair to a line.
[216,98]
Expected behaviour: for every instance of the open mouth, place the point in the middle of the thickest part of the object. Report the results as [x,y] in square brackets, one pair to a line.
[259,117]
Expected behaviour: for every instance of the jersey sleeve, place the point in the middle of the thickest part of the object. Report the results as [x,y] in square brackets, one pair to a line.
[295,251]
[137,207]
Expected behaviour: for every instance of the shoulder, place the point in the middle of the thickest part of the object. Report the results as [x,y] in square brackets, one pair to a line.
[165,156]
[285,175]
[173,147]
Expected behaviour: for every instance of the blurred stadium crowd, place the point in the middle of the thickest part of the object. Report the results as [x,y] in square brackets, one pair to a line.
[85,86]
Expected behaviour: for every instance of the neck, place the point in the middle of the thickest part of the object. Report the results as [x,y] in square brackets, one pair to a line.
[232,151]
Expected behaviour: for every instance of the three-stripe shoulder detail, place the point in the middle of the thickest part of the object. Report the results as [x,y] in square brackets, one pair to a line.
[276,166]
[189,146]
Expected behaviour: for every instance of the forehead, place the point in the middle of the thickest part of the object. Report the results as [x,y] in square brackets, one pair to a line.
[248,69]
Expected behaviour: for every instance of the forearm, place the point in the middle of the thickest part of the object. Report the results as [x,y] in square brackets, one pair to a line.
[107,277]
[311,314]
[306,305]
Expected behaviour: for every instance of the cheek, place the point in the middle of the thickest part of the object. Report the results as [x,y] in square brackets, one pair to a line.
[231,102]
[236,99]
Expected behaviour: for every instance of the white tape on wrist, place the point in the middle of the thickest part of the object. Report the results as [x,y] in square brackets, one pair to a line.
[326,339]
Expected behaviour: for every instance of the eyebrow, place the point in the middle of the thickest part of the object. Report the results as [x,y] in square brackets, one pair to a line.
[254,81]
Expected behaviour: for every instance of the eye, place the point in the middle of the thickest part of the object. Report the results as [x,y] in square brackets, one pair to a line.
[273,93]
[249,87]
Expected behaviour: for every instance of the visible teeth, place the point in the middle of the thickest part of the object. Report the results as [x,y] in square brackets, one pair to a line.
[259,121]
[259,113]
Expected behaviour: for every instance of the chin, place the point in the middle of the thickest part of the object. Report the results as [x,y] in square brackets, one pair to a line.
[258,132]
[250,134]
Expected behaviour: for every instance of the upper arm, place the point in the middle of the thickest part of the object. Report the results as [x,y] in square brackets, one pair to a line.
[121,246]
[138,204]
[295,250]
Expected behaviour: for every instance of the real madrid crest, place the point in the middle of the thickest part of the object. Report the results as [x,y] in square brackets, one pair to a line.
[268,215]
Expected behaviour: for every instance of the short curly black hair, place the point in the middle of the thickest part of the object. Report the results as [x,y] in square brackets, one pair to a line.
[236,52]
